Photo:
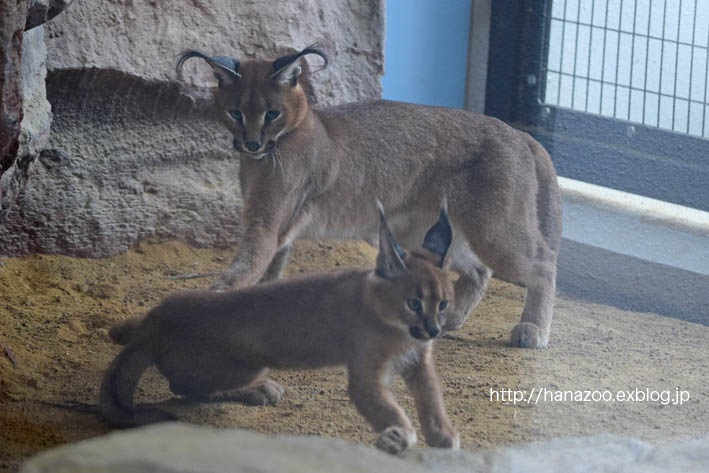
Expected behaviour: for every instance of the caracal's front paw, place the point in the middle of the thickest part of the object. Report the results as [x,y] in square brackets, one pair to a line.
[219,286]
[444,438]
[528,335]
[225,282]
[266,393]
[455,321]
[396,439]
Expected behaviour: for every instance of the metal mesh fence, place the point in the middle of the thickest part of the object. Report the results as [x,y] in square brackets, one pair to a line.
[645,61]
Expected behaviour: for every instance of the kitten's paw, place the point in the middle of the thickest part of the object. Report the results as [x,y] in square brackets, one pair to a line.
[267,393]
[219,286]
[272,391]
[396,439]
[443,439]
[528,335]
[454,322]
[225,281]
[455,442]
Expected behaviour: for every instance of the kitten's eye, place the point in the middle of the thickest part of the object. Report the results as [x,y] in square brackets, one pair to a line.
[236,115]
[442,305]
[272,115]
[414,304]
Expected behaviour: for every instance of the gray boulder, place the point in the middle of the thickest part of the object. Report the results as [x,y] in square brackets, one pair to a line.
[182,448]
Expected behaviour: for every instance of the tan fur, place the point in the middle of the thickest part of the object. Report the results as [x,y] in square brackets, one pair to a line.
[317,168]
[219,345]
[124,331]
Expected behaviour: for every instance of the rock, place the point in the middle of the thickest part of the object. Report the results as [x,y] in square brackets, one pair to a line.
[128,160]
[12,22]
[134,153]
[142,38]
[176,447]
[36,119]
[37,111]
[41,11]
[25,114]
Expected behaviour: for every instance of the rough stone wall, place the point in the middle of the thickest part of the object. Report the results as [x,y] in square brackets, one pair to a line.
[134,154]
[41,11]
[12,25]
[25,115]
[37,112]
[141,38]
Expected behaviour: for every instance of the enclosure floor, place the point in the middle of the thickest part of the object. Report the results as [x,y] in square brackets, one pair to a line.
[55,312]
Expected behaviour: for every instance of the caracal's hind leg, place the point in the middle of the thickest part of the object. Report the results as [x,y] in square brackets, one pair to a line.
[262,391]
[521,254]
[217,380]
[513,224]
[533,264]
[201,385]
[543,242]
[279,261]
[533,329]
[470,287]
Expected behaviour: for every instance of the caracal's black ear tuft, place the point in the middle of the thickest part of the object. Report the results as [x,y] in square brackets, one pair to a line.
[286,69]
[225,69]
[439,237]
[390,259]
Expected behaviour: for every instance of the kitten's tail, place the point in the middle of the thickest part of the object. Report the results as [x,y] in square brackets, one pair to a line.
[124,331]
[119,383]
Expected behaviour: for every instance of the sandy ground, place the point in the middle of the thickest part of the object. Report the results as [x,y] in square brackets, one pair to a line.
[55,312]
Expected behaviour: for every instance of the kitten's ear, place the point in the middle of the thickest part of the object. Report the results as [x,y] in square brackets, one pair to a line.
[286,69]
[225,69]
[390,259]
[439,236]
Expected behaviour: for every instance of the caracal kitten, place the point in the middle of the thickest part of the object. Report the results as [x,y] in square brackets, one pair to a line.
[214,346]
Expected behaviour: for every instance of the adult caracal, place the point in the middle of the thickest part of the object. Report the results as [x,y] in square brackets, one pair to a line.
[310,172]
[219,345]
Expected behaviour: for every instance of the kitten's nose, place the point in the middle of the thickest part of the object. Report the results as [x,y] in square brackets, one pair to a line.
[433,330]
[252,146]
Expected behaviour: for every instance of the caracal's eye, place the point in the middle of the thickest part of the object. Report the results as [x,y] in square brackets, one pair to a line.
[414,305]
[272,115]
[236,115]
[442,305]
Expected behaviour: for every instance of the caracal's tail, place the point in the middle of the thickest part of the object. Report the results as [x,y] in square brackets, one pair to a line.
[119,383]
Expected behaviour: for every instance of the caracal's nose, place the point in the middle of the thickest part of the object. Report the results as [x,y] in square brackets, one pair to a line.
[252,146]
[433,330]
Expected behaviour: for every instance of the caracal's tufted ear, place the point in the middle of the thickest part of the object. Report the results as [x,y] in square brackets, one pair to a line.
[225,69]
[439,237]
[286,69]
